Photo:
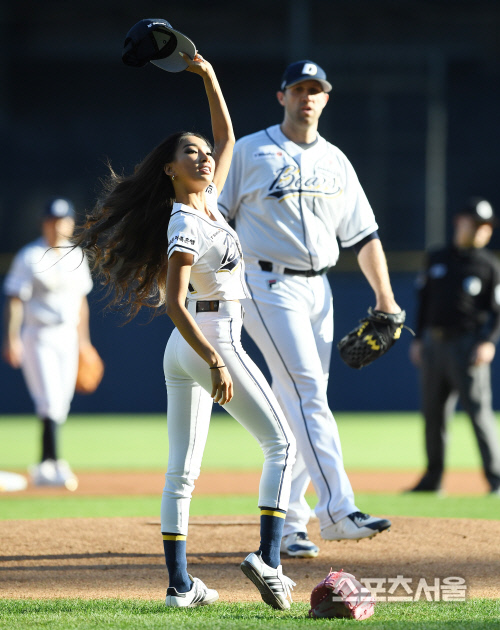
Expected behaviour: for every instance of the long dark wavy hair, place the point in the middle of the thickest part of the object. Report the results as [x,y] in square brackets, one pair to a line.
[125,235]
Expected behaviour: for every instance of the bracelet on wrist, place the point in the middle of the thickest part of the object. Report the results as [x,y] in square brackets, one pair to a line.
[216,367]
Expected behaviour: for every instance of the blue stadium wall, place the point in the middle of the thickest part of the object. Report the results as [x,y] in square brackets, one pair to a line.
[133,354]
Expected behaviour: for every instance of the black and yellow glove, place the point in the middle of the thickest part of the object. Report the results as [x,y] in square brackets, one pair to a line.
[374,336]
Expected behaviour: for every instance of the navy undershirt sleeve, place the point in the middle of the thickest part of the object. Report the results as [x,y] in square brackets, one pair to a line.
[357,247]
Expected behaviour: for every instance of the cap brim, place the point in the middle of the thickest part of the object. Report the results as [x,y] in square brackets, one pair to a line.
[174,62]
[327,87]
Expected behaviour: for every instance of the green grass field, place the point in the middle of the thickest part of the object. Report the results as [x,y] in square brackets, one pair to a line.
[136,615]
[125,442]
[370,441]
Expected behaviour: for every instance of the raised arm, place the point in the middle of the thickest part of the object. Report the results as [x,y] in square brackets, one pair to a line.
[222,127]
[179,270]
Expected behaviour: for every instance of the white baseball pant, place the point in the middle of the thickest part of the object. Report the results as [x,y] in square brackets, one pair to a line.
[290,318]
[254,406]
[50,365]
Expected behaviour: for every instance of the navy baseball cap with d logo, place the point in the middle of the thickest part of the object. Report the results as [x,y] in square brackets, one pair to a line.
[58,208]
[304,71]
[156,41]
[480,210]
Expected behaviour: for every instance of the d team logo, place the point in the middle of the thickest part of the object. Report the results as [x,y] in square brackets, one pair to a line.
[310,68]
[289,183]
[231,258]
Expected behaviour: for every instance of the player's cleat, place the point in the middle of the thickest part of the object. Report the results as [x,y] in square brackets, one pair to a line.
[275,588]
[65,476]
[298,545]
[427,484]
[53,473]
[355,526]
[43,474]
[198,595]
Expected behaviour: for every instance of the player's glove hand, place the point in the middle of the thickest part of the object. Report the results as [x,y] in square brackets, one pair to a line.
[340,594]
[374,336]
[90,370]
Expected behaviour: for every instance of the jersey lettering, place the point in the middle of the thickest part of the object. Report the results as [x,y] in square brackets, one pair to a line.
[289,183]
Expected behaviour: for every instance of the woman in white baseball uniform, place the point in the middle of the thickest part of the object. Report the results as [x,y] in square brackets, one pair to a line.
[159,240]
[46,320]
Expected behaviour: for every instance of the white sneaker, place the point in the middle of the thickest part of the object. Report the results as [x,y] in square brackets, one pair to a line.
[53,473]
[43,474]
[298,545]
[275,588]
[355,526]
[199,595]
[65,476]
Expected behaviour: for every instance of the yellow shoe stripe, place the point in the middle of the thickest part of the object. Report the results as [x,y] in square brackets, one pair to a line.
[272,513]
[174,537]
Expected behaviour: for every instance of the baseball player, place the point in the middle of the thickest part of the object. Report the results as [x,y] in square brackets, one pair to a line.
[162,225]
[292,195]
[46,321]
[458,327]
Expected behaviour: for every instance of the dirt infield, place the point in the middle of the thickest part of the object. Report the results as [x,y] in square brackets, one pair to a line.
[132,483]
[122,557]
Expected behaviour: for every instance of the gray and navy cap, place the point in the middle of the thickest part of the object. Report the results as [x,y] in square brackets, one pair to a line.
[155,40]
[58,208]
[304,71]
[480,210]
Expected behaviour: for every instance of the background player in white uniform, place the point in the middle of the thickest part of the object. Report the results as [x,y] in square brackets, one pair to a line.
[46,321]
[292,194]
[161,225]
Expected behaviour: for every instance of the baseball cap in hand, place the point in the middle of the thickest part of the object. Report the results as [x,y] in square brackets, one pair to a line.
[480,210]
[154,40]
[58,208]
[304,71]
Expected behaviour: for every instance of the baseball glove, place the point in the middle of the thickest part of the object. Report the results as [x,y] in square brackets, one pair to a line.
[374,336]
[340,594]
[90,370]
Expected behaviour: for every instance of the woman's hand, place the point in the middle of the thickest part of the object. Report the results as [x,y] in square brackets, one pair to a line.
[222,385]
[198,65]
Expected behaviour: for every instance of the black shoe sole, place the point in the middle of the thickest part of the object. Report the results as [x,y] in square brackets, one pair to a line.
[266,593]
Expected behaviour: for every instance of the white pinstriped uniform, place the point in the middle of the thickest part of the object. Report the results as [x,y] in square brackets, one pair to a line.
[217,274]
[51,282]
[291,204]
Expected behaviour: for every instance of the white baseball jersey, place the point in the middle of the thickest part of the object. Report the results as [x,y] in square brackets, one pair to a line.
[218,271]
[50,282]
[301,199]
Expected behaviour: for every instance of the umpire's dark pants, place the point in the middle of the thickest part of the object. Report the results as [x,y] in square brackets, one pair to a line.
[447,376]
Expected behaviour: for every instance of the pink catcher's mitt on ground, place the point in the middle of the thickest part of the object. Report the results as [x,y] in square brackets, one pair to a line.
[340,594]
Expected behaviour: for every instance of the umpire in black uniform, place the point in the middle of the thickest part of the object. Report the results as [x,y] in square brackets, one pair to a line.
[458,326]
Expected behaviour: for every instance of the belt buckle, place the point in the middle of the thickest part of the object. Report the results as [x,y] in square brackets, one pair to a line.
[207,306]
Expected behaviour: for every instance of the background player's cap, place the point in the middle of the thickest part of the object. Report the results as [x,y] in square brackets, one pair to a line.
[480,210]
[156,41]
[304,71]
[58,208]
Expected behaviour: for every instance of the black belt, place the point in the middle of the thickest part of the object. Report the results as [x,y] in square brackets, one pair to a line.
[308,273]
[207,306]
